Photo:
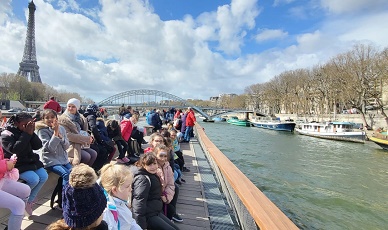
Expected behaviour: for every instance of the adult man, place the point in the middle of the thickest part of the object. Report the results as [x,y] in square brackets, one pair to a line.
[190,122]
[52,104]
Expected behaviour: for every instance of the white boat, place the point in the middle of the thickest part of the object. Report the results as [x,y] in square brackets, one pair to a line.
[342,131]
[273,123]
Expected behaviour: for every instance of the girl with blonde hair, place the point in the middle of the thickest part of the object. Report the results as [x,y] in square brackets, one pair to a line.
[116,180]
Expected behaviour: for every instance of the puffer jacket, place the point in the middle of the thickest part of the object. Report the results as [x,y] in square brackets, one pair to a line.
[102,130]
[166,177]
[146,193]
[75,138]
[54,149]
[15,141]
[126,127]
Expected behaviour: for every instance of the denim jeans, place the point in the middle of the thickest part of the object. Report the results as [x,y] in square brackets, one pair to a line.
[188,131]
[61,170]
[35,179]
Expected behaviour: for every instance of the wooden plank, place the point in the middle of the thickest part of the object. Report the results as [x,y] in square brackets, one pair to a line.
[191,204]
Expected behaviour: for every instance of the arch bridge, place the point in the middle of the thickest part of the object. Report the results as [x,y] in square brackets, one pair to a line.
[146,98]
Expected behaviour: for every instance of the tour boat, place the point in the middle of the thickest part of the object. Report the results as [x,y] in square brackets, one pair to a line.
[273,124]
[342,131]
[235,121]
[380,139]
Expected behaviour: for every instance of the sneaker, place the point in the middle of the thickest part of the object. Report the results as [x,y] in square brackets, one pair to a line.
[186,169]
[122,160]
[178,182]
[177,218]
[183,180]
[29,208]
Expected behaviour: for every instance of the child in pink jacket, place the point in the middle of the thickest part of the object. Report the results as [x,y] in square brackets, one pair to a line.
[13,194]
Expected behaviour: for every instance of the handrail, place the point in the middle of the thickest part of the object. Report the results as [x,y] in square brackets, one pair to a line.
[263,211]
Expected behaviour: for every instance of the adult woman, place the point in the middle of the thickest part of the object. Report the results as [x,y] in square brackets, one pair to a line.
[19,138]
[75,123]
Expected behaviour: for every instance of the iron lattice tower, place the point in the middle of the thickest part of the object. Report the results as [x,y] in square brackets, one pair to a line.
[29,68]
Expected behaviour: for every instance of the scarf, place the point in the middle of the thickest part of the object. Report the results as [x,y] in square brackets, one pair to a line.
[75,118]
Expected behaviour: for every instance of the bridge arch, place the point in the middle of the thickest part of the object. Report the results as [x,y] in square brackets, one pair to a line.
[125,98]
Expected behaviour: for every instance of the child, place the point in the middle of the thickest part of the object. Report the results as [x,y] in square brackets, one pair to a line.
[147,204]
[83,202]
[178,157]
[55,143]
[19,138]
[170,192]
[13,194]
[114,132]
[155,139]
[117,180]
[126,127]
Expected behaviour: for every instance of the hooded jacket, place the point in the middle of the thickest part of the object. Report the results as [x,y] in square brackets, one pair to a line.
[22,144]
[146,193]
[54,148]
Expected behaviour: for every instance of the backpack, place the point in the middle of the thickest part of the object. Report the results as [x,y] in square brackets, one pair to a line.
[148,118]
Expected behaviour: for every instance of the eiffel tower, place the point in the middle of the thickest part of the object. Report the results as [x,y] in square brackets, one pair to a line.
[29,68]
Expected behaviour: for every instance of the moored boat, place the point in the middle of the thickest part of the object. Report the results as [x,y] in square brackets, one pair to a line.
[240,122]
[273,124]
[219,118]
[380,139]
[342,131]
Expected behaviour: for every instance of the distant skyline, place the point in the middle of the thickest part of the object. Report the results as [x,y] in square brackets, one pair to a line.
[189,48]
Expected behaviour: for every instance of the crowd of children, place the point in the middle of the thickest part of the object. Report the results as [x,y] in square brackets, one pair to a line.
[72,146]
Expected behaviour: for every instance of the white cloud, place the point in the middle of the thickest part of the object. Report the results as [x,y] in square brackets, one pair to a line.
[346,6]
[5,9]
[268,34]
[122,45]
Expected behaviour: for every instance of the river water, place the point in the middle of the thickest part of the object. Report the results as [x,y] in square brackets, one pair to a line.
[318,184]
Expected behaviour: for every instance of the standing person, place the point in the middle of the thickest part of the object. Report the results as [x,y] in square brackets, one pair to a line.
[55,143]
[190,122]
[75,124]
[13,194]
[122,111]
[156,121]
[114,132]
[53,104]
[19,138]
[147,205]
[183,125]
[116,180]
[83,202]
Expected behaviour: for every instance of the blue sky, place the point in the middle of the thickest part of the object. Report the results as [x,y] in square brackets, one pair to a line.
[189,48]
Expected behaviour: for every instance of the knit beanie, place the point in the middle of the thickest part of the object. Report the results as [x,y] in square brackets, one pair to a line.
[75,102]
[83,199]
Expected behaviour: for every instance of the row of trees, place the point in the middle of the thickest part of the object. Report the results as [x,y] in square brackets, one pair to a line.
[15,87]
[349,80]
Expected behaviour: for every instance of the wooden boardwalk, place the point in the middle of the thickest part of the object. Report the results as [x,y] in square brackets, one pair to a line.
[191,203]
